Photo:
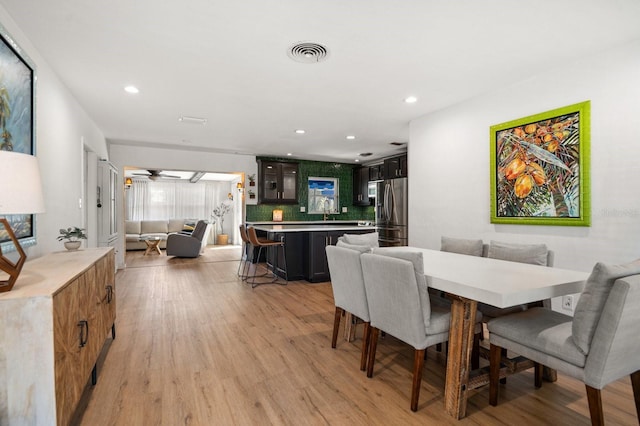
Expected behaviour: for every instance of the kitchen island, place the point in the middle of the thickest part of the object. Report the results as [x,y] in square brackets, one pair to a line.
[305,244]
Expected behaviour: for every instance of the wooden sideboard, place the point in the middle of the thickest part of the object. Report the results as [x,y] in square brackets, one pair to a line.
[54,324]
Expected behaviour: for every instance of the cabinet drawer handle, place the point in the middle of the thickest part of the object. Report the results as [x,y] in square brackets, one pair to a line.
[84,332]
[109,289]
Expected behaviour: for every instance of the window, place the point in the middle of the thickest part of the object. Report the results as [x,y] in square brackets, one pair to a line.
[323,195]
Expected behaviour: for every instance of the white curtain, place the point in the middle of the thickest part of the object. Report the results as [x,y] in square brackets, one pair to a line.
[160,200]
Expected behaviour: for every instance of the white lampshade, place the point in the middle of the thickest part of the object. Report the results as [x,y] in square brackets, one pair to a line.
[20,184]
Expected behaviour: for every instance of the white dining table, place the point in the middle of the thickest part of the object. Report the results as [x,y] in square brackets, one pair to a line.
[471,279]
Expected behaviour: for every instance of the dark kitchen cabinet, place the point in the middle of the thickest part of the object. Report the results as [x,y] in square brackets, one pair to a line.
[361,186]
[294,250]
[317,268]
[376,172]
[278,182]
[396,167]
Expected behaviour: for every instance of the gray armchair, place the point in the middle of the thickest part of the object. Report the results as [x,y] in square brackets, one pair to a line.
[597,346]
[349,294]
[183,245]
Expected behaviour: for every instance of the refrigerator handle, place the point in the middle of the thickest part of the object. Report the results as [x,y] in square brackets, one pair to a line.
[387,201]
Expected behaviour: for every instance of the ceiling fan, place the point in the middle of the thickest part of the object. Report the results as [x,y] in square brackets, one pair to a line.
[156,174]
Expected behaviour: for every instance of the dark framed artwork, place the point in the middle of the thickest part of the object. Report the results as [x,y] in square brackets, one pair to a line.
[540,168]
[17,122]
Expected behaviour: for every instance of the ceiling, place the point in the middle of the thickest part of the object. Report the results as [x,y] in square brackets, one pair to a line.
[227,62]
[193,176]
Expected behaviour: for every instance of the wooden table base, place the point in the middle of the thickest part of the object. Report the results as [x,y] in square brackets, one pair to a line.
[463,313]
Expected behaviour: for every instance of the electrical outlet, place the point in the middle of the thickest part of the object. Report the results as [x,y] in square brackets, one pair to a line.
[303,209]
[567,303]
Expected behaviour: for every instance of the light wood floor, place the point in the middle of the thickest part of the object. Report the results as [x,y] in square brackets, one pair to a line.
[195,345]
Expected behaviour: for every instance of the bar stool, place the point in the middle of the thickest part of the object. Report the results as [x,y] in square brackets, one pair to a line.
[260,243]
[247,251]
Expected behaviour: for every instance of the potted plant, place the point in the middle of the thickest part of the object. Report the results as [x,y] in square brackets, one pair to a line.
[252,180]
[219,212]
[71,237]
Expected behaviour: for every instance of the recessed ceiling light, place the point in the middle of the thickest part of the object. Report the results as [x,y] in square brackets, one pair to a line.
[192,120]
[289,154]
[357,161]
[131,89]
[411,100]
[300,132]
[351,137]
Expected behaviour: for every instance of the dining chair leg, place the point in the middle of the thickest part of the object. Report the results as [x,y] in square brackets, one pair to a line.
[495,357]
[336,326]
[504,354]
[537,375]
[366,341]
[635,383]
[418,364]
[595,406]
[372,351]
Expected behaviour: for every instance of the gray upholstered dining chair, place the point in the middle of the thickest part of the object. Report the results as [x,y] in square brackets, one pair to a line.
[399,305]
[535,254]
[469,247]
[349,295]
[597,346]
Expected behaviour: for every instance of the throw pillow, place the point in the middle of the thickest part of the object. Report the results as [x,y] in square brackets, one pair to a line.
[535,254]
[461,246]
[593,298]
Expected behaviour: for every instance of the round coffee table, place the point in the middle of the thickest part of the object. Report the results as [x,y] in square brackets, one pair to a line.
[153,244]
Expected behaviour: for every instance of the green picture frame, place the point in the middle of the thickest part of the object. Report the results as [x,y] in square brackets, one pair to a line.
[539,168]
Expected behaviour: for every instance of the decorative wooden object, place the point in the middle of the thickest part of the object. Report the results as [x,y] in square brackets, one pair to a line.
[12,269]
[55,322]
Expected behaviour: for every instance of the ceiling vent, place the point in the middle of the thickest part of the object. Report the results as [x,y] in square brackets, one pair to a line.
[398,143]
[366,154]
[308,52]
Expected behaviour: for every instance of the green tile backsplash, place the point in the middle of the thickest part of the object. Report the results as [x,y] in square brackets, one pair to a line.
[343,171]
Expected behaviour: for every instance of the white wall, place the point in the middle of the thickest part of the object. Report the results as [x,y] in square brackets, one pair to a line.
[449,161]
[145,157]
[63,131]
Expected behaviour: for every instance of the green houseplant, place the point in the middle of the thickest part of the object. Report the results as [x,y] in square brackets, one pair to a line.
[71,237]
[219,212]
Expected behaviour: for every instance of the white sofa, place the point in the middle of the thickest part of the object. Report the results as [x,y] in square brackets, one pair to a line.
[135,229]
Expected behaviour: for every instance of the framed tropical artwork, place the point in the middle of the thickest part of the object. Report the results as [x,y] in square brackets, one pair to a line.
[540,168]
[17,124]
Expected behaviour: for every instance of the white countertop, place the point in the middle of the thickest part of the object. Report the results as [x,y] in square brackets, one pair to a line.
[329,225]
[310,222]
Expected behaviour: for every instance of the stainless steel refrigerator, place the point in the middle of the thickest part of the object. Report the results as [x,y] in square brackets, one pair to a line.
[392,211]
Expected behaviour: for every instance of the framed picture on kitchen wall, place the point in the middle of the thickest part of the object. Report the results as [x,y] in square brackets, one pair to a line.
[540,168]
[17,123]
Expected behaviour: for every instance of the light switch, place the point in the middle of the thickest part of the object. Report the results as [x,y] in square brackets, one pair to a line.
[344,210]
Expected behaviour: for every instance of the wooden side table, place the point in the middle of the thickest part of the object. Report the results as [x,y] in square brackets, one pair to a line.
[153,244]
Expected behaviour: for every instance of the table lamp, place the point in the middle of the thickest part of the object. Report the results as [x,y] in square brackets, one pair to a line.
[20,193]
